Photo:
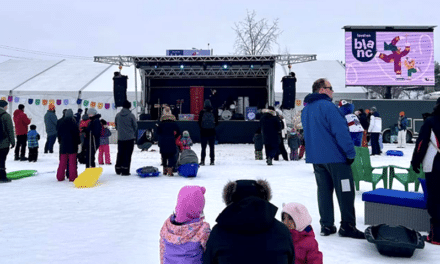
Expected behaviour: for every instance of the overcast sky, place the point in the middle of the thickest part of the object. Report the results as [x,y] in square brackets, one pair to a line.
[139,27]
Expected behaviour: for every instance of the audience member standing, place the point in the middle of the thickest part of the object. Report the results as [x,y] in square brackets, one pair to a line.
[92,138]
[78,116]
[33,138]
[68,139]
[21,129]
[427,152]
[331,151]
[402,125]
[50,120]
[281,136]
[375,129]
[104,148]
[7,140]
[208,120]
[270,128]
[126,125]
[365,124]
[167,133]
[354,125]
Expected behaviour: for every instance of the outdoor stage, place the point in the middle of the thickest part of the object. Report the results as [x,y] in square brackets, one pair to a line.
[234,131]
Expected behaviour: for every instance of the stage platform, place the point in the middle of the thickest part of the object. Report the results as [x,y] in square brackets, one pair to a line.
[236,131]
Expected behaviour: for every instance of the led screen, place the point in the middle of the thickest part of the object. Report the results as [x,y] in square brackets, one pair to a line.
[389,58]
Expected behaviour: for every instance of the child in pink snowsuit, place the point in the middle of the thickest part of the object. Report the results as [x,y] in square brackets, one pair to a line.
[296,217]
[184,234]
[104,148]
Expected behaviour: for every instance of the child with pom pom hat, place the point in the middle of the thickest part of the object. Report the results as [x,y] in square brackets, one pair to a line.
[297,218]
[184,234]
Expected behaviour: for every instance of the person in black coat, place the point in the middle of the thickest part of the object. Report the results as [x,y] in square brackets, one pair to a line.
[365,123]
[270,128]
[68,138]
[281,148]
[246,230]
[427,152]
[92,138]
[167,133]
[258,144]
[207,135]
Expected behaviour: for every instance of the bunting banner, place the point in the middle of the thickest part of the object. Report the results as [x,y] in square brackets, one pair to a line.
[114,106]
[66,101]
[16,99]
[30,101]
[59,101]
[4,98]
[52,101]
[134,103]
[107,106]
[10,98]
[44,102]
[93,104]
[99,105]
[37,101]
[79,101]
[86,103]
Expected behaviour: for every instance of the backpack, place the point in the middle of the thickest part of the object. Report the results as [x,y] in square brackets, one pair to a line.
[208,120]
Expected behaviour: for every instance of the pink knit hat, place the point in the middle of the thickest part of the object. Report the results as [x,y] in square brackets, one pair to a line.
[299,214]
[190,203]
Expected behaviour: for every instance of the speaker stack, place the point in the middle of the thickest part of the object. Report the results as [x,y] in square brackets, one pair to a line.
[289,92]
[119,89]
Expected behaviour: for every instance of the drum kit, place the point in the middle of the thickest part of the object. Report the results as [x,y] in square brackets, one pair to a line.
[226,114]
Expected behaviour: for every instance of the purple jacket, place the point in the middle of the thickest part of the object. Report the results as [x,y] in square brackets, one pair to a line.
[183,244]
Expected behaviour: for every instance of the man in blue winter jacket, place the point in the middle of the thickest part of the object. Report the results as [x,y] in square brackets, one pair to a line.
[330,148]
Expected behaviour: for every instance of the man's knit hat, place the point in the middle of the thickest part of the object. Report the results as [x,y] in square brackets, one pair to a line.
[185,133]
[190,203]
[342,102]
[299,214]
[92,112]
[3,103]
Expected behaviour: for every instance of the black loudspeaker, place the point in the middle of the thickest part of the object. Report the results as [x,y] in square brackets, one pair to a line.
[120,89]
[289,92]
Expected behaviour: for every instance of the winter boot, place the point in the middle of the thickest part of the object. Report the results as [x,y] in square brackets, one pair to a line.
[434,234]
[165,170]
[3,177]
[350,230]
[258,155]
[170,171]
[202,163]
[269,161]
[328,230]
[212,162]
[17,158]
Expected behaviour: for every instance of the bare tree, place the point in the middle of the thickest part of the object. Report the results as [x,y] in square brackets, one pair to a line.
[255,37]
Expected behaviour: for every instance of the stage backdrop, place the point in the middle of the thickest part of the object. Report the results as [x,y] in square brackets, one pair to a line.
[196,94]
[389,58]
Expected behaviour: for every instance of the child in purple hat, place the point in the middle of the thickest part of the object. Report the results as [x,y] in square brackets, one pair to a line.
[184,234]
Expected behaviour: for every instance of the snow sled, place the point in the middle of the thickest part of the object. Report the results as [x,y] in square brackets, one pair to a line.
[394,241]
[188,170]
[148,171]
[14,175]
[394,153]
[88,178]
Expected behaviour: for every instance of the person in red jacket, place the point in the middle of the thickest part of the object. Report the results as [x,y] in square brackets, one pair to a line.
[297,218]
[21,122]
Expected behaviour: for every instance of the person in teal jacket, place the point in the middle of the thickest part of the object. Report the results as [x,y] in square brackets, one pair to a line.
[330,149]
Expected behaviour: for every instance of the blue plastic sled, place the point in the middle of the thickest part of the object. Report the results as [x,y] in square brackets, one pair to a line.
[188,170]
[144,175]
[394,153]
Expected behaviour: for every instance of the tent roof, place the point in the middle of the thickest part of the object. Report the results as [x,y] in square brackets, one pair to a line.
[307,73]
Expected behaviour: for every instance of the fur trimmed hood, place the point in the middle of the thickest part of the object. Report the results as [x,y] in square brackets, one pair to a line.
[235,191]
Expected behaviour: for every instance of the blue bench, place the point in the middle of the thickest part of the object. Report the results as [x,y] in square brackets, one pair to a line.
[393,207]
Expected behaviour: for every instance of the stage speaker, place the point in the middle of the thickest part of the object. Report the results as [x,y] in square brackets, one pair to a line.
[289,92]
[119,89]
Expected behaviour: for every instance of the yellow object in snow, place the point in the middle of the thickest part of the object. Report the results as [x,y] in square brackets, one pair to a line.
[88,178]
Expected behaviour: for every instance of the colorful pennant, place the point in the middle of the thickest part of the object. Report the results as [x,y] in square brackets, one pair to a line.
[30,101]
[100,105]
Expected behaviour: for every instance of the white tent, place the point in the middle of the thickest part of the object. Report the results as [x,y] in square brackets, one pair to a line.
[64,83]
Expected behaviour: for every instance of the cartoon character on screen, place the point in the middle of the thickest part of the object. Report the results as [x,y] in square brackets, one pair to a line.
[410,65]
[396,55]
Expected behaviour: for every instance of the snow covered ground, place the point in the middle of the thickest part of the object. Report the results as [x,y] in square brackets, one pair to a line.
[46,221]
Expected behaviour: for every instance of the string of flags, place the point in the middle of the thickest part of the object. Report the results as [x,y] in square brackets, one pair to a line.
[44,102]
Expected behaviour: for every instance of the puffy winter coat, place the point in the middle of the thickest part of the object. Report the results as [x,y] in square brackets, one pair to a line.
[270,128]
[68,134]
[50,120]
[21,122]
[326,134]
[425,151]
[247,232]
[306,247]
[207,132]
[402,123]
[183,243]
[167,137]
[375,123]
[7,128]
[126,125]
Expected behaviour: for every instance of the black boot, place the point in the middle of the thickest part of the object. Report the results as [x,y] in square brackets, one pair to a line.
[3,177]
[17,157]
[202,163]
[350,230]
[434,233]
[212,162]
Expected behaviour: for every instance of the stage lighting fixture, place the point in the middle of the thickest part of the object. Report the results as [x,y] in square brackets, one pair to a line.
[182,67]
[252,66]
[225,66]
[155,66]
